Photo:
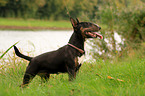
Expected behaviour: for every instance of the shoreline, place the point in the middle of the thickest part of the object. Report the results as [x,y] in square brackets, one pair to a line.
[32,28]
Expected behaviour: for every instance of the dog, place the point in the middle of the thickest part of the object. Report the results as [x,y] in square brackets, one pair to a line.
[64,59]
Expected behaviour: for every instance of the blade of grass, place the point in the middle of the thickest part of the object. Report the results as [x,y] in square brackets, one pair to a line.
[8,50]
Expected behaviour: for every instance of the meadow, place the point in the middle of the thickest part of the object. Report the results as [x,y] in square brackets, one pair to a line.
[118,77]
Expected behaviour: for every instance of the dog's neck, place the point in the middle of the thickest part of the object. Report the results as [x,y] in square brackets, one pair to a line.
[77,41]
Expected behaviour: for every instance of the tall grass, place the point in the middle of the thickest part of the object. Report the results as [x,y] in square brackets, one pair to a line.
[7,50]
[93,79]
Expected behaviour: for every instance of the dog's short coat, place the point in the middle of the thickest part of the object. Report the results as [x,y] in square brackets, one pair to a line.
[65,59]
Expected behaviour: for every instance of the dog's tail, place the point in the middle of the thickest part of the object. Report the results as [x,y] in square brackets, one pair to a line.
[21,55]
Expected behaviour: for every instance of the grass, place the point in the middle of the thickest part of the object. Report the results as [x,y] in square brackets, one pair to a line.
[92,80]
[34,23]
[8,50]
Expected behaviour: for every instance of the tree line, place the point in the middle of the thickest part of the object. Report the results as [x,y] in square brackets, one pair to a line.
[46,9]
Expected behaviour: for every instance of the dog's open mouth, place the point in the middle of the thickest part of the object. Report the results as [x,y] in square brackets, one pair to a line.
[94,35]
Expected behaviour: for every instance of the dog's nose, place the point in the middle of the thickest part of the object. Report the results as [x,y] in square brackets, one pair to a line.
[99,28]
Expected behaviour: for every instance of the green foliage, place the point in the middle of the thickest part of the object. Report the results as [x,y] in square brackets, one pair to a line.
[47,9]
[92,79]
[3,2]
[125,17]
[133,32]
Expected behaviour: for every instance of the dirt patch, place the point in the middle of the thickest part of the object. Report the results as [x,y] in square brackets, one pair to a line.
[32,28]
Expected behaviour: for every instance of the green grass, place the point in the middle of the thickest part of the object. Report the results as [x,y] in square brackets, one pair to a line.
[131,70]
[34,23]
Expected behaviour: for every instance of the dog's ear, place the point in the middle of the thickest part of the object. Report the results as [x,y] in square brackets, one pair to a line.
[77,20]
[73,22]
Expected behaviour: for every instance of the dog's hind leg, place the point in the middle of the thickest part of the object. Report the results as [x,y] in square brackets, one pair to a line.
[30,73]
[44,77]
[27,78]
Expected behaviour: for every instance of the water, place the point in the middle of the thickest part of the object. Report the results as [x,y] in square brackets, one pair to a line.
[36,41]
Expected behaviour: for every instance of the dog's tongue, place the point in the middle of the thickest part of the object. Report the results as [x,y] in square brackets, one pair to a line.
[100,36]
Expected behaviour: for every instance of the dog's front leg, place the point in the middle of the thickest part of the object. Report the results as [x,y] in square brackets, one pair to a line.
[71,72]
[78,67]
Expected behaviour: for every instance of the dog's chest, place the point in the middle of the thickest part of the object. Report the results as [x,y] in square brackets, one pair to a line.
[80,59]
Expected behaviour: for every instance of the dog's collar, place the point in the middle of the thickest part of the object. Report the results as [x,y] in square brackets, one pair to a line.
[80,50]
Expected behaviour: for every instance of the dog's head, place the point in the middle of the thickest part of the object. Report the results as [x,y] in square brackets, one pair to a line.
[86,29]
